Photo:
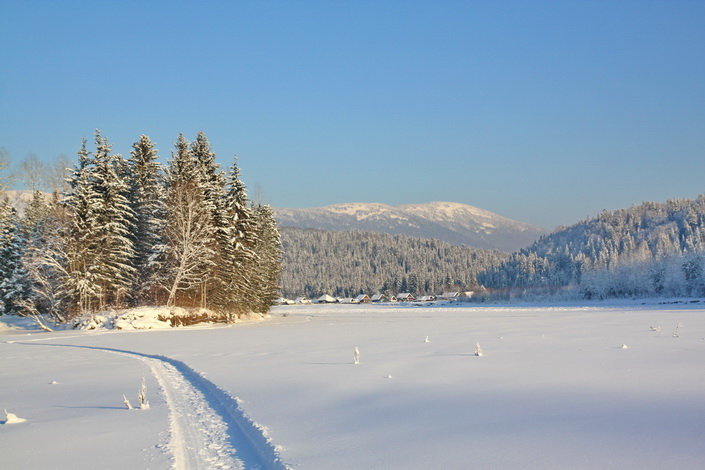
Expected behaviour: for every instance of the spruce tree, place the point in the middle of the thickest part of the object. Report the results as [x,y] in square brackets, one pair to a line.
[269,253]
[147,203]
[12,286]
[79,290]
[212,182]
[115,224]
[237,239]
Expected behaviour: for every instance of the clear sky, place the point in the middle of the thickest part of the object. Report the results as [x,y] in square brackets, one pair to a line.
[545,111]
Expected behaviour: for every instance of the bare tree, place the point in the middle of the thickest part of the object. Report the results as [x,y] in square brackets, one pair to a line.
[188,237]
[57,173]
[32,172]
[4,164]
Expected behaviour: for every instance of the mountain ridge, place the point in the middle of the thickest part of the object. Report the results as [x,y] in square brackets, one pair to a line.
[452,222]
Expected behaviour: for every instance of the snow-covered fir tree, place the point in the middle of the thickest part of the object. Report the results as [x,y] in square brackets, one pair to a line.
[79,288]
[10,249]
[212,184]
[269,257]
[127,234]
[236,268]
[147,203]
[115,223]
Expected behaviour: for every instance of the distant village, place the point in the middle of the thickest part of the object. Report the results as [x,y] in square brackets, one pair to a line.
[377,298]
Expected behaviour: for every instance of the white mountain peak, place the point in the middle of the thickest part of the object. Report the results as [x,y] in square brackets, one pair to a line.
[450,221]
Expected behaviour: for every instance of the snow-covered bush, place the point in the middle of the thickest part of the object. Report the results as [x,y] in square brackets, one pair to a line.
[11,418]
[142,396]
[478,350]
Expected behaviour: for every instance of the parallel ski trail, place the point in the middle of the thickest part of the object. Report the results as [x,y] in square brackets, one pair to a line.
[208,429]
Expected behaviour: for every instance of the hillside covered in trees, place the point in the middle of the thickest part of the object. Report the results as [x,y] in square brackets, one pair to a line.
[348,263]
[648,249]
[126,232]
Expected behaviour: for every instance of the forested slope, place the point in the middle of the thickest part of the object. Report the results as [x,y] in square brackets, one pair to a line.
[651,248]
[346,263]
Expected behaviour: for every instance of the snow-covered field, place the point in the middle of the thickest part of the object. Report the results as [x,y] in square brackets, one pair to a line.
[557,387]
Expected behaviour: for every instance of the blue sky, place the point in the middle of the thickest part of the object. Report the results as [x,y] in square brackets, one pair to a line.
[546,112]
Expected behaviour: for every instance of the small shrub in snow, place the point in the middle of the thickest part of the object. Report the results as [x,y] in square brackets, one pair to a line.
[478,350]
[624,346]
[142,397]
[126,402]
[356,356]
[676,332]
[11,418]
[426,340]
[655,328]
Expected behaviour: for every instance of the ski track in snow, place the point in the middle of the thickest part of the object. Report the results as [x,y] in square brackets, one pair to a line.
[208,429]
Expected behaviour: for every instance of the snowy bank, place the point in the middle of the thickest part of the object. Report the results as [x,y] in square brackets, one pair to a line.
[151,318]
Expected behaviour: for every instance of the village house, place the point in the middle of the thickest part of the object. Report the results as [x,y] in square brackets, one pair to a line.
[452,296]
[405,297]
[379,298]
[326,299]
[362,299]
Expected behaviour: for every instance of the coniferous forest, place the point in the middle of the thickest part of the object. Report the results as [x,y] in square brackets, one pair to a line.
[125,232]
[651,249]
[348,263]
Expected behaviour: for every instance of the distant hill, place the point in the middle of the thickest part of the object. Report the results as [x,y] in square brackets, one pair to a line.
[648,249]
[349,263]
[448,221]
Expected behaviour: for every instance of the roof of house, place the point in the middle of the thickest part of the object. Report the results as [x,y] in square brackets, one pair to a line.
[450,294]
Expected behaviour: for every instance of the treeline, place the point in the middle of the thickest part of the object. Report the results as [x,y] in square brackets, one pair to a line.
[649,249]
[349,263]
[127,233]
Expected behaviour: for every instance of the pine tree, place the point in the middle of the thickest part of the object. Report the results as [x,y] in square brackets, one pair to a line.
[115,224]
[147,204]
[212,182]
[12,284]
[79,290]
[269,254]
[238,259]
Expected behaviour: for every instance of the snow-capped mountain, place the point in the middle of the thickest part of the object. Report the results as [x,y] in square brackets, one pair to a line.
[450,221]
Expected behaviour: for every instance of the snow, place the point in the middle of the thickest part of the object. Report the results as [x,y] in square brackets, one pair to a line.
[11,418]
[146,318]
[554,389]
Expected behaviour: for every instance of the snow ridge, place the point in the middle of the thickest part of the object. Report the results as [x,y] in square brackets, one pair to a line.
[209,429]
[449,221]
